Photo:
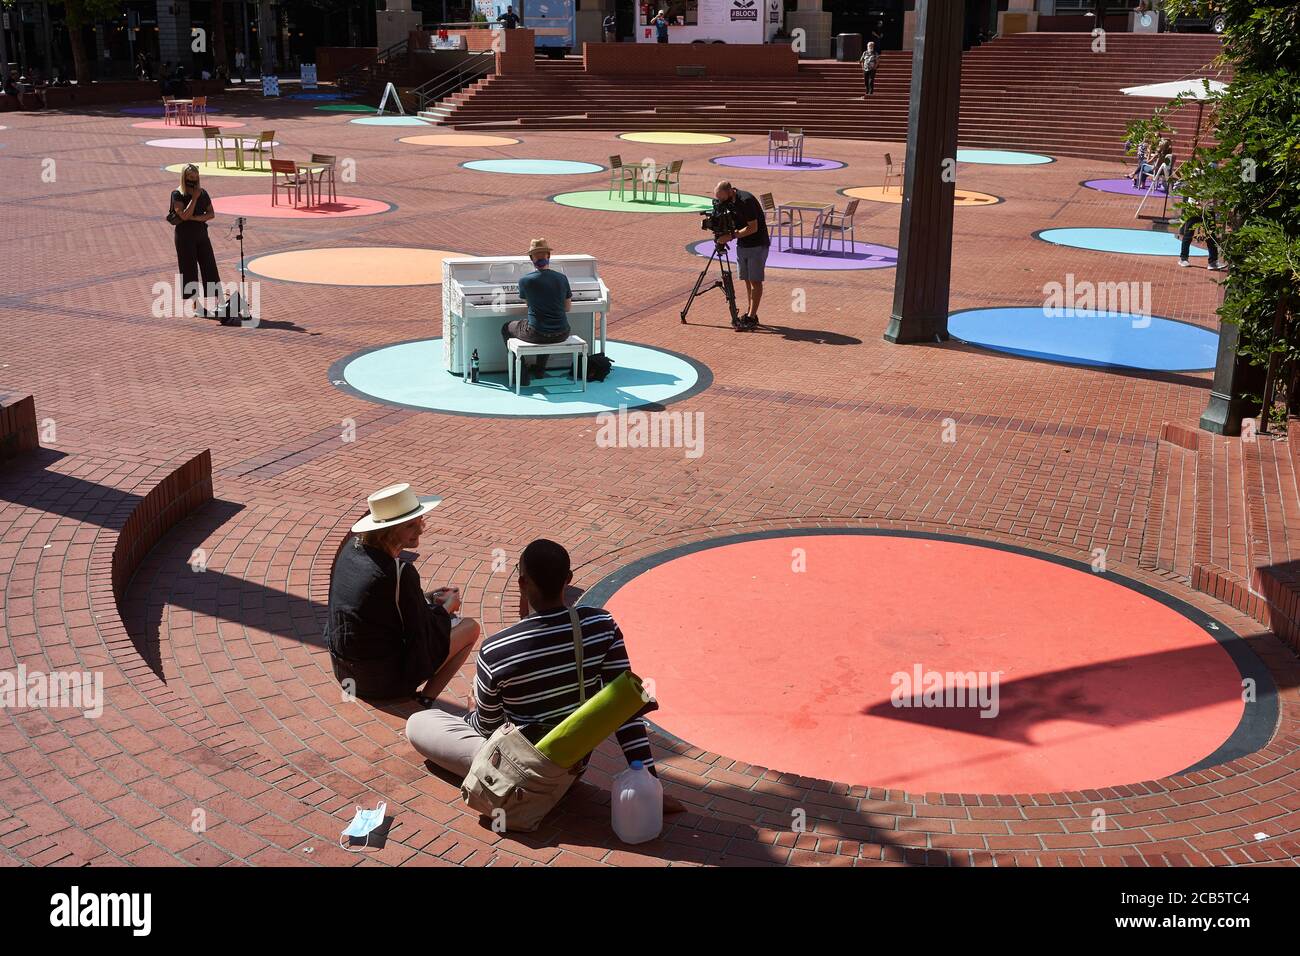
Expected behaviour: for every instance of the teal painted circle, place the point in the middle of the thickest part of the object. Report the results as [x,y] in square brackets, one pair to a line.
[1001,157]
[389,121]
[411,374]
[533,167]
[1134,242]
[1089,337]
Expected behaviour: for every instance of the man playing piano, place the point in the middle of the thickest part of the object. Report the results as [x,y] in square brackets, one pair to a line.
[549,300]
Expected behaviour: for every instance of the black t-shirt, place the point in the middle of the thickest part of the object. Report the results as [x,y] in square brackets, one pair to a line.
[747,210]
[202,207]
[511,20]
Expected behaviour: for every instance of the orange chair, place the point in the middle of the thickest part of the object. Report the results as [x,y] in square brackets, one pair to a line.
[326,173]
[892,171]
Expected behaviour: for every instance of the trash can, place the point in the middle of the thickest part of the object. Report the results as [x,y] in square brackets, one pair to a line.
[848,47]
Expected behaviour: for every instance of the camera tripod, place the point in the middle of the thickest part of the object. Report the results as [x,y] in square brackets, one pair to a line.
[728,287]
[236,309]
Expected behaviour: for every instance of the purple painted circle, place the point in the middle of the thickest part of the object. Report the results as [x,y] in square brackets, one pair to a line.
[756,161]
[143,110]
[1121,187]
[861,255]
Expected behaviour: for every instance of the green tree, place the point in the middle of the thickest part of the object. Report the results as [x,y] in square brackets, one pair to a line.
[80,14]
[1247,184]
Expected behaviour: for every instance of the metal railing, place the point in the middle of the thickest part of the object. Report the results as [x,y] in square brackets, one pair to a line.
[351,78]
[473,67]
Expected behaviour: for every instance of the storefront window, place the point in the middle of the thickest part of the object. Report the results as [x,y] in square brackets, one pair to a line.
[678,12]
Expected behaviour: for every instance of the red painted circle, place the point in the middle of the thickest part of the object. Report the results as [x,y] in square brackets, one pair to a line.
[798,670]
[343,207]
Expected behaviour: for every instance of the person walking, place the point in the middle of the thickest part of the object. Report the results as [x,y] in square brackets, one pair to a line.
[610,26]
[869,60]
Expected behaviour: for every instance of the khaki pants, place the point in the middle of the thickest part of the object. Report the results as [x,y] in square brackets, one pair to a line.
[444,739]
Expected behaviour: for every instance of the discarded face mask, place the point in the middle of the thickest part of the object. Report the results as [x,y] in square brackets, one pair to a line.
[363,824]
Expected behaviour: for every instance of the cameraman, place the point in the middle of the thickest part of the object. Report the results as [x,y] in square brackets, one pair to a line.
[752,246]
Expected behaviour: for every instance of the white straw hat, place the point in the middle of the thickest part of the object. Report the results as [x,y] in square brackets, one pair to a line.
[395,505]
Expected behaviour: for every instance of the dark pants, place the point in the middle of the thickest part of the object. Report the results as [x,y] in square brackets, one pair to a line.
[194,256]
[869,78]
[520,329]
[662,40]
[1211,246]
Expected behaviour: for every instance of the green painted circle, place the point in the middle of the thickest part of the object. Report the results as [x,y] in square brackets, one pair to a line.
[600,199]
[345,108]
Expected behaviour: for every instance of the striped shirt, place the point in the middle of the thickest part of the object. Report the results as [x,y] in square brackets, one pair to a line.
[527,674]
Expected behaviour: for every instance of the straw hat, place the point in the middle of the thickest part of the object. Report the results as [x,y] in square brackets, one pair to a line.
[395,505]
[539,245]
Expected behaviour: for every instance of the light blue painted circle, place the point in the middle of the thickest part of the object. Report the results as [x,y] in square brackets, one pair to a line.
[1001,157]
[1088,337]
[390,121]
[412,374]
[1135,242]
[533,167]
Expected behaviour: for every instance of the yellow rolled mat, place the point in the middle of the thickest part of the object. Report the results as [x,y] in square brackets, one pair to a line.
[582,731]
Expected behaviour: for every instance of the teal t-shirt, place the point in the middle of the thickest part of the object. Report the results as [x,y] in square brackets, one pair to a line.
[545,291]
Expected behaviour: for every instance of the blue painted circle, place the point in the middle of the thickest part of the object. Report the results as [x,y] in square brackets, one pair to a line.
[390,121]
[318,96]
[1089,337]
[533,167]
[411,374]
[1001,157]
[1135,242]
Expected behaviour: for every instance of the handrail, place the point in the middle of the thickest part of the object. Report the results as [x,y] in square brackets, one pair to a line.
[348,74]
[456,78]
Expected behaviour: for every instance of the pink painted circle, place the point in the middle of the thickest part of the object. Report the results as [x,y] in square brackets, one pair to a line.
[846,657]
[218,121]
[259,204]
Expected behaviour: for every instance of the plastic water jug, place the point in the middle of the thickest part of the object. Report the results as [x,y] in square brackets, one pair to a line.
[637,804]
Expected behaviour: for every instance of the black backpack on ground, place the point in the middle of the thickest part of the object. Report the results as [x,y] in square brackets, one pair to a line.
[598,367]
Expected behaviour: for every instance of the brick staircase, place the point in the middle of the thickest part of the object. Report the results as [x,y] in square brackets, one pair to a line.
[1046,92]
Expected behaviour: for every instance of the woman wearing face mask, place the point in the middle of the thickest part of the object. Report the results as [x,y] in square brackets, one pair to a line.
[191,210]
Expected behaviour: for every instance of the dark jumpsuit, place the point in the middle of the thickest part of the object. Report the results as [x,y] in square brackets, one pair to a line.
[193,248]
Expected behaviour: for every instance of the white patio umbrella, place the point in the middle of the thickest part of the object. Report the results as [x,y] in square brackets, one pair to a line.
[1196,88]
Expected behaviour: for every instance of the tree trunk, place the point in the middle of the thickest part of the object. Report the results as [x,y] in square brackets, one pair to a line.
[220,65]
[80,63]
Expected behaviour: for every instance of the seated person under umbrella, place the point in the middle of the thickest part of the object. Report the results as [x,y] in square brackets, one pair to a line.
[549,300]
[386,637]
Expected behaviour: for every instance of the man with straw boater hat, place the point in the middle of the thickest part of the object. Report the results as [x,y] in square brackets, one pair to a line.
[387,638]
[549,300]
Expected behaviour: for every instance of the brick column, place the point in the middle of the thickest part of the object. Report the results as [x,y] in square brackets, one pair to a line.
[517,54]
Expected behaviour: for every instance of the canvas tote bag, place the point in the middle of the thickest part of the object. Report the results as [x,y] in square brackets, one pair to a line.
[511,775]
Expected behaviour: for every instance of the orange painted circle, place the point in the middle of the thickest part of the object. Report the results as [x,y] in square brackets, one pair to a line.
[355,266]
[785,652]
[459,139]
[894,195]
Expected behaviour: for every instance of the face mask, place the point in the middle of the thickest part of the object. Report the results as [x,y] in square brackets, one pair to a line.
[542,263]
[364,823]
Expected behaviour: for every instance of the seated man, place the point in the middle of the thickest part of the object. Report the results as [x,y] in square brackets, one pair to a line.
[386,637]
[549,300]
[527,674]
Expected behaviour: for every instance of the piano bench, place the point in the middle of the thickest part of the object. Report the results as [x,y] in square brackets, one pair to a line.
[519,350]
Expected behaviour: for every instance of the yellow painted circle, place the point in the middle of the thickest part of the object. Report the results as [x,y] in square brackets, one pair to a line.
[212,169]
[355,265]
[668,138]
[962,197]
[459,139]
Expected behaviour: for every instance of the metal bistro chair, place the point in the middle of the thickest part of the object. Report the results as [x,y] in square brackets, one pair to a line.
[778,144]
[668,177]
[199,111]
[796,142]
[170,110]
[326,174]
[892,171]
[832,223]
[263,146]
[777,219]
[618,173]
[212,140]
[285,175]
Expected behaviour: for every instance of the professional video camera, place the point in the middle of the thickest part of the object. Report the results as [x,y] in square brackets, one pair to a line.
[721,220]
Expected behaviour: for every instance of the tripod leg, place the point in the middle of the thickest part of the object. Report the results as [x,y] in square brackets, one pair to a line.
[699,281]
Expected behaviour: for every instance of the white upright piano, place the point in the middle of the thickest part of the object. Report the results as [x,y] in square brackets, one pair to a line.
[480,295]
